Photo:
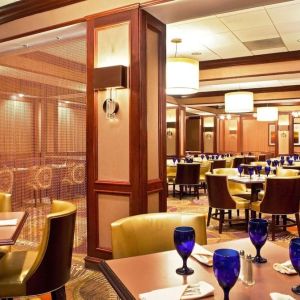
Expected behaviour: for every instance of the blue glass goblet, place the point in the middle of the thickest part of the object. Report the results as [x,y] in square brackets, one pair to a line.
[258,168]
[290,162]
[295,259]
[178,160]
[295,156]
[269,162]
[240,169]
[267,170]
[174,160]
[281,157]
[184,240]
[226,265]
[250,171]
[202,156]
[258,233]
[282,161]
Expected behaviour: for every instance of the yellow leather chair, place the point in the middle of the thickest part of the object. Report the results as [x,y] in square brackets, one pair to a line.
[235,188]
[151,233]
[205,167]
[5,206]
[25,273]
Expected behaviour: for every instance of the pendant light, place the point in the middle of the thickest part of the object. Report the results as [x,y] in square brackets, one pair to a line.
[267,114]
[182,74]
[239,102]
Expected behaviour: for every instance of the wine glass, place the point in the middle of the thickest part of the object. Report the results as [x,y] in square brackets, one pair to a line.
[290,162]
[295,259]
[240,169]
[184,240]
[295,156]
[174,160]
[250,171]
[202,156]
[282,161]
[258,168]
[269,162]
[178,160]
[258,233]
[226,265]
[267,170]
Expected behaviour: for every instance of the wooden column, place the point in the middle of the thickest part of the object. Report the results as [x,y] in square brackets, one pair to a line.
[125,156]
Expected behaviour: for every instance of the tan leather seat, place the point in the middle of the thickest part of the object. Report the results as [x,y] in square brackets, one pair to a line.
[151,233]
[235,188]
[281,197]
[5,206]
[219,197]
[25,273]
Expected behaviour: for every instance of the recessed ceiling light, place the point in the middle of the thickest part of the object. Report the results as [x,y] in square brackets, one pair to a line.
[196,53]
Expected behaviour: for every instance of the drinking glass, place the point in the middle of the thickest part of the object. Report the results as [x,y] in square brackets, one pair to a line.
[269,162]
[258,168]
[258,233]
[240,169]
[282,161]
[295,156]
[226,265]
[267,170]
[202,156]
[282,157]
[174,160]
[178,160]
[250,171]
[184,240]
[290,161]
[295,259]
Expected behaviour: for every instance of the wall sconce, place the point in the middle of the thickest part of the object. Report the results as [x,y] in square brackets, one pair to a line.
[169,132]
[208,136]
[283,135]
[110,79]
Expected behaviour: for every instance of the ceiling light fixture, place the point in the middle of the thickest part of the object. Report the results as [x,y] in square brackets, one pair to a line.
[267,114]
[182,74]
[238,102]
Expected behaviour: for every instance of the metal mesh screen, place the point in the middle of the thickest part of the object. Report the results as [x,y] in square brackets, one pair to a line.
[43,131]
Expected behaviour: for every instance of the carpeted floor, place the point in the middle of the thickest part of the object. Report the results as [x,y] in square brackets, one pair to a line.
[91,285]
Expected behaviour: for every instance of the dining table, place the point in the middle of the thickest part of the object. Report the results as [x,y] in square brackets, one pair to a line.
[10,233]
[140,274]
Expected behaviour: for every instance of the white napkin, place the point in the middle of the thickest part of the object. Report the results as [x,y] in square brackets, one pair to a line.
[203,255]
[9,222]
[285,268]
[278,296]
[177,292]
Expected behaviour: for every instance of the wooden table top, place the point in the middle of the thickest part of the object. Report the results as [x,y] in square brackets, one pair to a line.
[9,234]
[134,275]
[246,179]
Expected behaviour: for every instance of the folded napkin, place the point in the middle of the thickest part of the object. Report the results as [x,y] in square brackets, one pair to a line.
[9,222]
[182,292]
[278,296]
[285,268]
[203,255]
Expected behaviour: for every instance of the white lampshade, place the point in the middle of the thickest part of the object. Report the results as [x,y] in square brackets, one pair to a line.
[182,76]
[267,114]
[238,102]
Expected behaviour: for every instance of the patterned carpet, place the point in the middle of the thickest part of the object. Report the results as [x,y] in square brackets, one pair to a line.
[91,285]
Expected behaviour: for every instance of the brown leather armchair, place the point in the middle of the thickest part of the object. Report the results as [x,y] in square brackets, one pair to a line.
[219,197]
[281,198]
[151,233]
[25,273]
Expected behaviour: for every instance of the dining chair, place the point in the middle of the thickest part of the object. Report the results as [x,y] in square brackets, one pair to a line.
[281,198]
[171,174]
[235,188]
[187,175]
[40,179]
[74,176]
[219,197]
[204,168]
[217,164]
[151,233]
[237,161]
[229,162]
[249,159]
[262,157]
[26,273]
[6,180]
[5,206]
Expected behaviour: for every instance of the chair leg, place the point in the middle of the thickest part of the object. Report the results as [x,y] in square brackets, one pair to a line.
[209,216]
[298,223]
[221,220]
[238,212]
[229,217]
[246,219]
[59,294]
[273,227]
[277,220]
[180,191]
[284,221]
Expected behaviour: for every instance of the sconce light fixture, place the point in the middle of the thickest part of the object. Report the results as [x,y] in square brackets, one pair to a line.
[169,132]
[110,79]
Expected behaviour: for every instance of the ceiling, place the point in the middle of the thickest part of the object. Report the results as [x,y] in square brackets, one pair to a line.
[6,2]
[249,32]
